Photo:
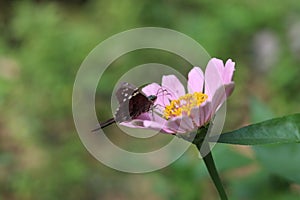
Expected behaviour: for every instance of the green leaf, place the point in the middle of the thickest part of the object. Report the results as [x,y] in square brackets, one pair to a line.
[285,153]
[278,130]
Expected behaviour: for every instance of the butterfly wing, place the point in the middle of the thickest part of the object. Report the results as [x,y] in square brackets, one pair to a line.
[139,104]
[132,102]
[125,91]
[124,94]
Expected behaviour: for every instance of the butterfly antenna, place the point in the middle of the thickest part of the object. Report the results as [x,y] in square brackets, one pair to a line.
[105,124]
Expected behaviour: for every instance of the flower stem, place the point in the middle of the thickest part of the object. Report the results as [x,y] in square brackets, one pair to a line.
[211,167]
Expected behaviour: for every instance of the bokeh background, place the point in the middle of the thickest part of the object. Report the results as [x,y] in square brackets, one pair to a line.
[42,45]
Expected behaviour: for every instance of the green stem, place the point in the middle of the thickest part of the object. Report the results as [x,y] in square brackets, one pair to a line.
[211,167]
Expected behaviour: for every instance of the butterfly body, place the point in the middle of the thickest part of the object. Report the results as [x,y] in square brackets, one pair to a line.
[132,103]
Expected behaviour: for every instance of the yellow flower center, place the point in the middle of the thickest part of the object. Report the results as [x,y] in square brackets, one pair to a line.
[184,104]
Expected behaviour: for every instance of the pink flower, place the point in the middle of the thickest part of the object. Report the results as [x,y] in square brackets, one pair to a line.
[176,111]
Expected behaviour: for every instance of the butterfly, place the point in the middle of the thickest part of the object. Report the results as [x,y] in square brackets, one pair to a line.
[132,103]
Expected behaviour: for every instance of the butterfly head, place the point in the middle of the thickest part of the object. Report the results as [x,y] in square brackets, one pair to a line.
[152,98]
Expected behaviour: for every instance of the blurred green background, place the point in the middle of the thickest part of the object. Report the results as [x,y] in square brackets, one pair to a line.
[42,45]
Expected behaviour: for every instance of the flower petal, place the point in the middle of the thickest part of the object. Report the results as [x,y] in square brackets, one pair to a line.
[228,71]
[147,124]
[195,80]
[181,124]
[136,123]
[229,89]
[216,75]
[157,117]
[157,126]
[156,89]
[151,89]
[144,116]
[213,79]
[218,99]
[202,114]
[173,85]
[152,115]
[221,95]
